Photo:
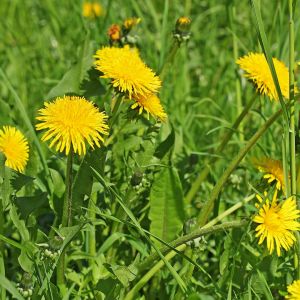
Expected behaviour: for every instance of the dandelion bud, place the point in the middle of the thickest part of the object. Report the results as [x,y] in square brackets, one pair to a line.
[183,24]
[114,33]
[182,29]
[130,23]
[136,178]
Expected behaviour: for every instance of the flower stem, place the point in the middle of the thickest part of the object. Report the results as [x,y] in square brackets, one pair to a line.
[232,16]
[292,119]
[227,136]
[66,220]
[208,206]
[169,59]
[2,198]
[67,209]
[180,245]
[292,99]
[91,234]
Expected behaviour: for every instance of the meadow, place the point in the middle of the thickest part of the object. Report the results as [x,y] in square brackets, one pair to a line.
[149,149]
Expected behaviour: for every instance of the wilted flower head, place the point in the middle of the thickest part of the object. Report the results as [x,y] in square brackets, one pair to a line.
[294,291]
[277,221]
[257,69]
[273,170]
[71,122]
[129,74]
[92,9]
[114,32]
[14,147]
[151,104]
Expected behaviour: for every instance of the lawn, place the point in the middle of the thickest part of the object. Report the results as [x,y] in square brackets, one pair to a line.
[149,149]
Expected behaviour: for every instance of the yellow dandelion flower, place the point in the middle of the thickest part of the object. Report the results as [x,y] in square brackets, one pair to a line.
[15,148]
[294,291]
[70,122]
[92,9]
[128,72]
[151,104]
[257,69]
[183,21]
[277,222]
[273,170]
[131,22]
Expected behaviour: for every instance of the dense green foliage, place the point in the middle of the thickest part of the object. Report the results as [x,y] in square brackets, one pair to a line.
[136,194]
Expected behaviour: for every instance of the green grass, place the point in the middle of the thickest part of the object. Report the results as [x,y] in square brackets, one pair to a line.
[113,232]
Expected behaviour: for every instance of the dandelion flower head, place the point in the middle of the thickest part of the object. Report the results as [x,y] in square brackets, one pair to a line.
[92,9]
[129,74]
[273,170]
[257,69]
[151,104]
[294,291]
[277,221]
[15,148]
[130,23]
[71,121]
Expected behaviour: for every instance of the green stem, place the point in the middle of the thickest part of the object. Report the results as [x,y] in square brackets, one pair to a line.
[115,111]
[92,234]
[180,245]
[232,16]
[186,238]
[121,215]
[67,209]
[292,99]
[208,206]
[169,59]
[227,136]
[66,220]
[2,254]
[285,145]
[145,279]
[292,135]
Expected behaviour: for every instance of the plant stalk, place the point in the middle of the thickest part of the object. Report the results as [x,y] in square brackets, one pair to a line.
[292,99]
[180,245]
[66,220]
[91,235]
[188,237]
[226,138]
[292,135]
[208,206]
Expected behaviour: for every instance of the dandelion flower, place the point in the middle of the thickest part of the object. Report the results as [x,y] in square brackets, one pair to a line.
[128,72]
[294,291]
[277,222]
[91,9]
[15,148]
[151,104]
[70,122]
[183,24]
[257,69]
[130,23]
[273,170]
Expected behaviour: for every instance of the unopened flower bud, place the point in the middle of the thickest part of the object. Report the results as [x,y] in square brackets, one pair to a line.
[183,24]
[114,32]
[136,178]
